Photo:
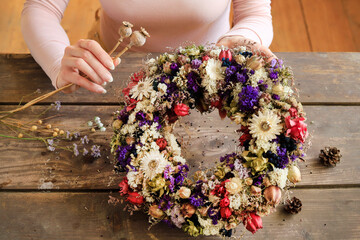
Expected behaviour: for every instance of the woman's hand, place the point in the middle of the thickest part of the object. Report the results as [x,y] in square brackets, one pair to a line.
[233,41]
[88,58]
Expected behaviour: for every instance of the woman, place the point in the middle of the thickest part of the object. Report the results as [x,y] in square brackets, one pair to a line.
[170,23]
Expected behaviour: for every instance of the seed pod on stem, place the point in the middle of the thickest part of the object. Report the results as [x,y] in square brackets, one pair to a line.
[124,32]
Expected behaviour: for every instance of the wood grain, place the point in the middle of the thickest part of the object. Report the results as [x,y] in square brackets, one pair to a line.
[326,214]
[290,33]
[352,8]
[27,165]
[328,26]
[320,77]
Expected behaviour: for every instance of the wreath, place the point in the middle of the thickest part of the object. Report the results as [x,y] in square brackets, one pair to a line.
[246,184]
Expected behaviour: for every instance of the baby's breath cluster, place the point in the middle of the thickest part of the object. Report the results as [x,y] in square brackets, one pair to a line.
[246,184]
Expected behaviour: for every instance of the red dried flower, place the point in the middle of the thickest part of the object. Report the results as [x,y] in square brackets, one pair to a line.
[135,198]
[253,222]
[124,186]
[162,143]
[181,109]
[225,212]
[296,128]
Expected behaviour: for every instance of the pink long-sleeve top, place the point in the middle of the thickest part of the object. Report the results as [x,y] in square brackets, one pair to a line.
[170,23]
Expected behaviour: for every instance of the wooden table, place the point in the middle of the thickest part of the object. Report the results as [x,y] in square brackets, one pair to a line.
[74,203]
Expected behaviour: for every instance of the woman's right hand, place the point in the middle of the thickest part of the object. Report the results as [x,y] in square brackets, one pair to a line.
[88,58]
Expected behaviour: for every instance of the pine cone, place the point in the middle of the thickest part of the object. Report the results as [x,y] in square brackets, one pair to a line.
[330,156]
[293,206]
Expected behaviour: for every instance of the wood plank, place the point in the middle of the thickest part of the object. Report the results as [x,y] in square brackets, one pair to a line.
[352,12]
[320,77]
[326,214]
[328,26]
[27,165]
[290,33]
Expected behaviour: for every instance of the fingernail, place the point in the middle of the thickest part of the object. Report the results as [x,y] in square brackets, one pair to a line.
[104,84]
[101,89]
[110,79]
[111,65]
[118,60]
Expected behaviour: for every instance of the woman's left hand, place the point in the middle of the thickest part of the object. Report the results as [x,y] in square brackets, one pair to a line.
[234,41]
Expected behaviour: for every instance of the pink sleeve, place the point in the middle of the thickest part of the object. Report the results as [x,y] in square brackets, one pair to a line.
[43,34]
[252,19]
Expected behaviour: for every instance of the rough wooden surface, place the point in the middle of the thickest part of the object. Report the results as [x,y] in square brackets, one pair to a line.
[28,165]
[320,77]
[73,204]
[326,214]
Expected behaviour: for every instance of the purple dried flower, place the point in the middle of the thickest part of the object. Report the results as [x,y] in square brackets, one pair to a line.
[84,140]
[95,151]
[243,171]
[276,97]
[273,75]
[197,200]
[174,67]
[57,105]
[76,135]
[75,149]
[51,148]
[192,84]
[176,217]
[248,98]
[50,141]
[165,202]
[85,152]
[196,63]
[141,116]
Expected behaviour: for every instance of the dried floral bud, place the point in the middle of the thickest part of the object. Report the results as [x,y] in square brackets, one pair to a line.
[125,30]
[254,63]
[249,181]
[199,175]
[33,128]
[48,126]
[230,226]
[187,210]
[56,129]
[93,130]
[266,182]
[129,140]
[240,59]
[255,190]
[294,174]
[39,122]
[203,211]
[155,212]
[55,134]
[278,89]
[20,135]
[117,124]
[234,185]
[61,132]
[272,194]
[184,192]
